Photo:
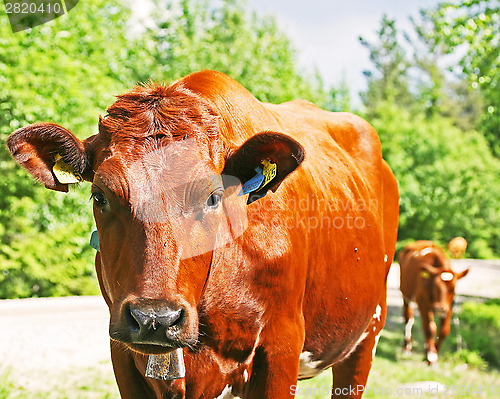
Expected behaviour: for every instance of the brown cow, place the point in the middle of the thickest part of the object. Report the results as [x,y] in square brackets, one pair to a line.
[457,247]
[257,293]
[427,279]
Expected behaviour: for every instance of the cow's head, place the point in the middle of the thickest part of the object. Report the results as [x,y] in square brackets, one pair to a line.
[457,247]
[165,186]
[438,284]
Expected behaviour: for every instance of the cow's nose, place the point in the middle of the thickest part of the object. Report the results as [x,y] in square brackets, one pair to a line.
[440,310]
[157,325]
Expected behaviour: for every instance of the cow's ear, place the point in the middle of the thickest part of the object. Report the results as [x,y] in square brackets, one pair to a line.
[462,274]
[39,146]
[268,154]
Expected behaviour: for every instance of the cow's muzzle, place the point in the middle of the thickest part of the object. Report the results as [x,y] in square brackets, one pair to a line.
[154,326]
[440,310]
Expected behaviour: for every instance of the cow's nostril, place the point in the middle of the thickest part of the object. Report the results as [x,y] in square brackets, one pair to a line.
[171,318]
[142,319]
[131,320]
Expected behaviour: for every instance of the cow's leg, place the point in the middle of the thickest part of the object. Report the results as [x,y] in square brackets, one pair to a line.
[275,367]
[429,327]
[444,330]
[350,375]
[409,320]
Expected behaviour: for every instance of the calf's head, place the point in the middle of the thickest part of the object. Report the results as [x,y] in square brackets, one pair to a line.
[165,186]
[438,285]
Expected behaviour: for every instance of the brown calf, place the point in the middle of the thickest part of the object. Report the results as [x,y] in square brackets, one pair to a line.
[457,247]
[427,279]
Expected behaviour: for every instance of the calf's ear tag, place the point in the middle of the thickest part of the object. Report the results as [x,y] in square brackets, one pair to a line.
[65,173]
[166,367]
[424,274]
[263,176]
[94,240]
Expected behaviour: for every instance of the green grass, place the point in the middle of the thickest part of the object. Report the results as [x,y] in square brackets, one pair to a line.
[391,371]
[78,383]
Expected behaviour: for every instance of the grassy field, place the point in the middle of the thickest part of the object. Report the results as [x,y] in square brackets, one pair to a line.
[81,383]
[457,375]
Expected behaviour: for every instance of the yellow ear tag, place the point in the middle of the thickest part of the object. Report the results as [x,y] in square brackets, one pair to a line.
[269,171]
[65,173]
[424,274]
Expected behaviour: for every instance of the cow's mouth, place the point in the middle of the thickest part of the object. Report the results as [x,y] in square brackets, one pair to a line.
[156,348]
[150,349]
[153,347]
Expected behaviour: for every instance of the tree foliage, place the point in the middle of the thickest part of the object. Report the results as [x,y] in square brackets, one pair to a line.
[388,81]
[473,27]
[448,179]
[428,121]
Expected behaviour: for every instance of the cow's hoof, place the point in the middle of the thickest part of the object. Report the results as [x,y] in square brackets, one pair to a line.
[432,358]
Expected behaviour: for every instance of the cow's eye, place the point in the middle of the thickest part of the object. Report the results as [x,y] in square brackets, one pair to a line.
[214,200]
[99,199]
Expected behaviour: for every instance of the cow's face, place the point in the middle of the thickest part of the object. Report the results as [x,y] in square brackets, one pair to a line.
[165,190]
[159,218]
[439,285]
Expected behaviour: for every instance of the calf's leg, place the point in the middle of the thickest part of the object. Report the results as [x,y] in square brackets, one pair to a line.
[409,320]
[429,327]
[444,330]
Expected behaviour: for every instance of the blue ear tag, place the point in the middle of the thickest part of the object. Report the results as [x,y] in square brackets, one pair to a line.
[94,240]
[264,176]
[254,183]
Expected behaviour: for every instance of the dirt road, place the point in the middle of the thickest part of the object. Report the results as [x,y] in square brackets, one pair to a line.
[64,333]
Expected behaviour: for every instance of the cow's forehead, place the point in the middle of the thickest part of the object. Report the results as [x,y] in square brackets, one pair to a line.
[170,179]
[175,164]
[177,175]
[156,110]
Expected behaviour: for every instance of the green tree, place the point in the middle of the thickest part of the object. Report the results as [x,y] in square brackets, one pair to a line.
[447,175]
[448,179]
[439,91]
[389,79]
[196,34]
[65,72]
[473,26]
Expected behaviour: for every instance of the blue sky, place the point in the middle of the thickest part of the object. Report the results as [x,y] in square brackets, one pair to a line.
[325,32]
